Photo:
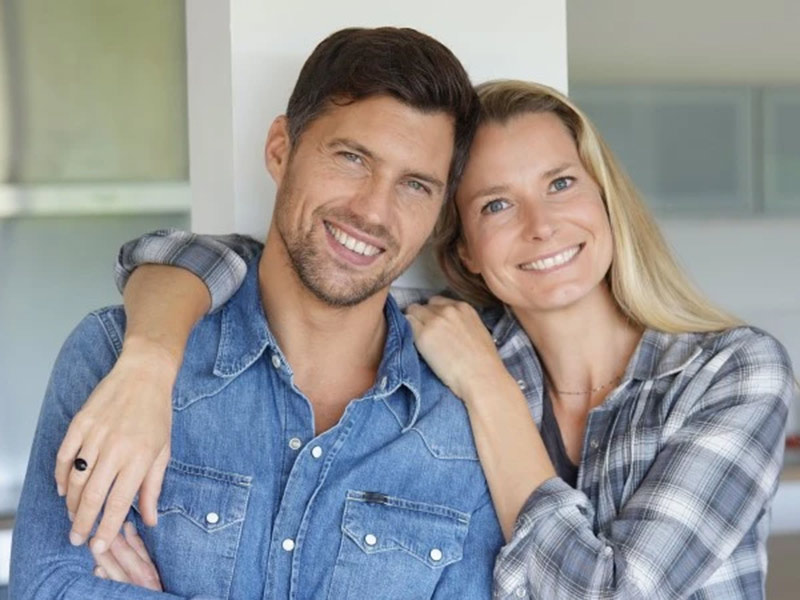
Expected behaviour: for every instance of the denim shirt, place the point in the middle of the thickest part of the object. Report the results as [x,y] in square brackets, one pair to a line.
[391,502]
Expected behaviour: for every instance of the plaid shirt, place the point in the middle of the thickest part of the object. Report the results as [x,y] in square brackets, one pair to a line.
[678,468]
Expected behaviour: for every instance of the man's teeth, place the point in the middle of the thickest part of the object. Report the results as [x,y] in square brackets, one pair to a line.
[352,243]
[552,261]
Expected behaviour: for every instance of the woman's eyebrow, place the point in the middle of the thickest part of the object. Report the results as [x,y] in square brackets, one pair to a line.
[556,170]
[490,191]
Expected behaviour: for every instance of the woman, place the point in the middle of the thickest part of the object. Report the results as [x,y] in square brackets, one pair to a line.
[661,416]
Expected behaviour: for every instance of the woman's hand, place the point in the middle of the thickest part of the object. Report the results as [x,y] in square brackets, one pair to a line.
[123,434]
[127,561]
[453,340]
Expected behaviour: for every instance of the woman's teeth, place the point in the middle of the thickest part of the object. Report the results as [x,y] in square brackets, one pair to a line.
[551,261]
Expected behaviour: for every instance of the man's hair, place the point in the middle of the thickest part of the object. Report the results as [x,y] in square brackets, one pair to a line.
[356,63]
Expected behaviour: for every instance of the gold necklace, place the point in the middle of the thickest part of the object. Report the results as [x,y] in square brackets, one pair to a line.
[591,391]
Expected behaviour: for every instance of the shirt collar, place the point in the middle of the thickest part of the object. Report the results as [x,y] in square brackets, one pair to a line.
[657,355]
[245,336]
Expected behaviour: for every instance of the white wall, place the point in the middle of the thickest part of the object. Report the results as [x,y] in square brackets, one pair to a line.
[244,57]
[707,41]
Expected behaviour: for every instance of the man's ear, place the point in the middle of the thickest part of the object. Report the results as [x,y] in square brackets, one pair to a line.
[278,148]
[466,258]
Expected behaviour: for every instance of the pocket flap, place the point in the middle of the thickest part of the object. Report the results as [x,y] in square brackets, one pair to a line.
[432,533]
[209,498]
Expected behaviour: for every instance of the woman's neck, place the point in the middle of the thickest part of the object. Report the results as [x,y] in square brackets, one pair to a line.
[584,346]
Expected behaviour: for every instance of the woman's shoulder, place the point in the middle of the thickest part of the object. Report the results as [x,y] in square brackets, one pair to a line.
[745,343]
[742,362]
[748,344]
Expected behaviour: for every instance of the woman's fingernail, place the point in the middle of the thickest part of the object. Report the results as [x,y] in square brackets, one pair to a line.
[100,572]
[76,539]
[98,546]
[71,516]
[60,490]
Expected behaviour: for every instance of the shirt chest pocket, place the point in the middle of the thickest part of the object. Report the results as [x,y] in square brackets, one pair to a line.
[395,548]
[200,517]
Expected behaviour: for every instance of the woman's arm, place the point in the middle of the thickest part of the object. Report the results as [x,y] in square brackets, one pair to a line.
[454,342]
[123,430]
[709,485]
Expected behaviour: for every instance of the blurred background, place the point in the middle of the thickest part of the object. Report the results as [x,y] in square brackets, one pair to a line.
[700,101]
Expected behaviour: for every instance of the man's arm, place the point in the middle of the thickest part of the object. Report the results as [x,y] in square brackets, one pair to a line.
[124,426]
[43,563]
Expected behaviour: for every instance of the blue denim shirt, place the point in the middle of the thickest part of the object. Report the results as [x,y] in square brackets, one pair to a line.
[389,503]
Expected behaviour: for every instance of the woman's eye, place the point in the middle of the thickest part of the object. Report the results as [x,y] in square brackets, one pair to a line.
[561,184]
[494,206]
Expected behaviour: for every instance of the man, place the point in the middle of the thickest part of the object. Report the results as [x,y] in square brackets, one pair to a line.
[313,453]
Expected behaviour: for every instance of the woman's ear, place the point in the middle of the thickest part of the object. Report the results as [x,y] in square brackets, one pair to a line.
[277,148]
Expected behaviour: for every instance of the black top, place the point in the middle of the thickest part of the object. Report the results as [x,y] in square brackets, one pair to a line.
[551,436]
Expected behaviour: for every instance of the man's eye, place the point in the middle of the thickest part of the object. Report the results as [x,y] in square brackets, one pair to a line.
[562,183]
[418,186]
[494,206]
[351,157]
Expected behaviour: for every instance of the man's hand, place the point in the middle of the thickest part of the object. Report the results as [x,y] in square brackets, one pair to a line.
[127,561]
[123,435]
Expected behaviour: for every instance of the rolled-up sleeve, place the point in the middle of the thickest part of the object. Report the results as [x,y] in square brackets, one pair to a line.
[219,260]
[711,482]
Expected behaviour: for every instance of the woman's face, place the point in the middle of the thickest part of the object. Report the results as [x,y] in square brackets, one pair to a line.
[534,222]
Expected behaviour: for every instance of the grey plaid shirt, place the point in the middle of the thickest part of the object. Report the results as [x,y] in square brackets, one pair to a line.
[678,468]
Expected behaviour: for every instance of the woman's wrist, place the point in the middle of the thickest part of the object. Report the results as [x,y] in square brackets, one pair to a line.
[159,358]
[489,391]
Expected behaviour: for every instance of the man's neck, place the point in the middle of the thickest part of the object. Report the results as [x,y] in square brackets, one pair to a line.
[334,352]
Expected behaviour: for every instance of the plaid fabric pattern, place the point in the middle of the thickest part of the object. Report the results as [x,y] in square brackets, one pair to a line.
[220,261]
[678,469]
[677,473]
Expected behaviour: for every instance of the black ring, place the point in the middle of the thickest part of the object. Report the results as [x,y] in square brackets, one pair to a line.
[80,464]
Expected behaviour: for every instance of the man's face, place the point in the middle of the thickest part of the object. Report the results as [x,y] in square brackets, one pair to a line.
[359,194]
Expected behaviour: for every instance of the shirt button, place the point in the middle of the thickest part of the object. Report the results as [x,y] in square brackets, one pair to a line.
[276,361]
[370,540]
[212,518]
[316,452]
[295,443]
[608,551]
[288,544]
[520,592]
[436,555]
[594,444]
[496,341]
[384,381]
[521,384]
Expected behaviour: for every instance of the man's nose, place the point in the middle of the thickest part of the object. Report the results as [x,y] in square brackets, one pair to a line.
[373,200]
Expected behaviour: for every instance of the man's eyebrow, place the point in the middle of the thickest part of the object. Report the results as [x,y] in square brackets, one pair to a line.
[350,144]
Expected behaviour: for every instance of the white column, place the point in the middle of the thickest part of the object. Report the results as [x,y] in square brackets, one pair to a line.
[244,56]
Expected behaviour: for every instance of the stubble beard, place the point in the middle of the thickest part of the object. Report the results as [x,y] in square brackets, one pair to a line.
[314,269]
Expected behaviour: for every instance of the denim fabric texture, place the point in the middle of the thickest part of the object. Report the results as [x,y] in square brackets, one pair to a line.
[389,503]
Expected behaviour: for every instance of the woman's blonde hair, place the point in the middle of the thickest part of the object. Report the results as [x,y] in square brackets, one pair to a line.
[646,282]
